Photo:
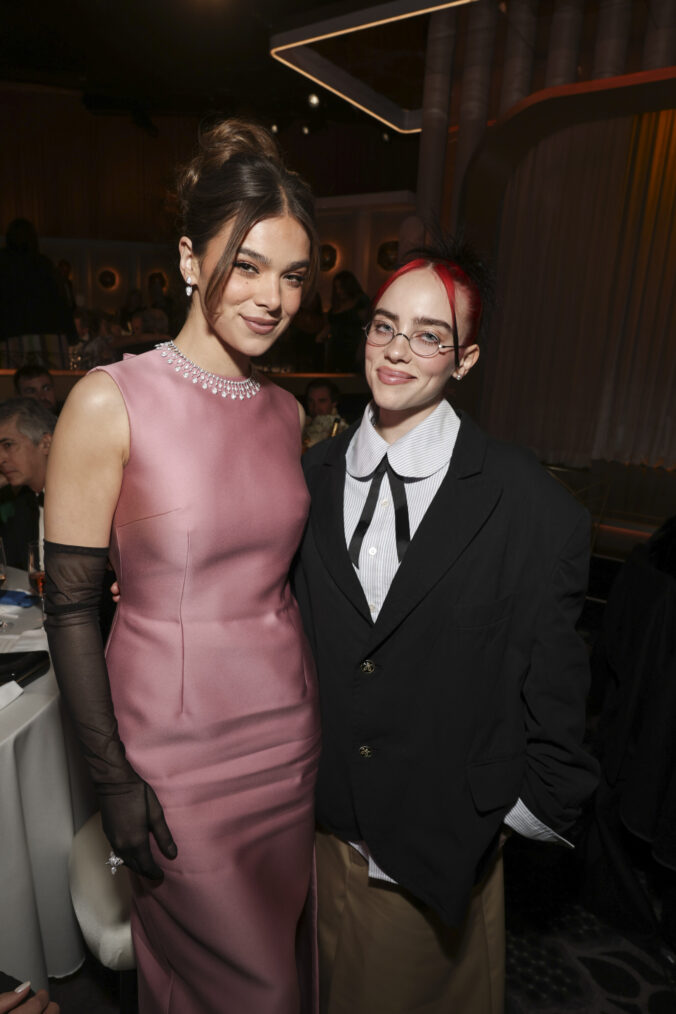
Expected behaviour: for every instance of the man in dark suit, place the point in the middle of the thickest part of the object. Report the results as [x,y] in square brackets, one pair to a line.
[440,579]
[26,428]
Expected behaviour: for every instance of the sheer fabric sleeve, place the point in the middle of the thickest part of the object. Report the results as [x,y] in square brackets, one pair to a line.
[130,810]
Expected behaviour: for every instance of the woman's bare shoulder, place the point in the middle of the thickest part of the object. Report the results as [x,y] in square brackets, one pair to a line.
[95,392]
[94,415]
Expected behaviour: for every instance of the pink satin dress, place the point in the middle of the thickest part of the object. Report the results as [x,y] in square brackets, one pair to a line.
[214,691]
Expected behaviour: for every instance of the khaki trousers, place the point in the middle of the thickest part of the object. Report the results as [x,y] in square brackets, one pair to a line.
[383,952]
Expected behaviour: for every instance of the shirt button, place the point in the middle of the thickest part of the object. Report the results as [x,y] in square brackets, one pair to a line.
[372,550]
[368,666]
[384,503]
[366,752]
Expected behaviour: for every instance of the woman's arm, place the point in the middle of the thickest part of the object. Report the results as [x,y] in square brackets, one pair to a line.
[90,449]
[84,472]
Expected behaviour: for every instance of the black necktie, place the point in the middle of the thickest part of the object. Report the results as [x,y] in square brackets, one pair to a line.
[401,528]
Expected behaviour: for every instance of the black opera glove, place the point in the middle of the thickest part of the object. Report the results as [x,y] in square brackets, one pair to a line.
[130,810]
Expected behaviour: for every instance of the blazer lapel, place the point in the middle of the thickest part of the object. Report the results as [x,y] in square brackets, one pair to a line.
[327,487]
[463,503]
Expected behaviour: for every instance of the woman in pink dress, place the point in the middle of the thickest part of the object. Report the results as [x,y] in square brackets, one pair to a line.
[200,725]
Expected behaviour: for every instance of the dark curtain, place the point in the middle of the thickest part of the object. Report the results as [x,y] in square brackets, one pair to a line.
[581,357]
[76,174]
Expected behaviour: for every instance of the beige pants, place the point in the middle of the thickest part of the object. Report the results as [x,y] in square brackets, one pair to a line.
[383,952]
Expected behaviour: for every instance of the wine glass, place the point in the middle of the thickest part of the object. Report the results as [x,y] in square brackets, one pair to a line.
[36,567]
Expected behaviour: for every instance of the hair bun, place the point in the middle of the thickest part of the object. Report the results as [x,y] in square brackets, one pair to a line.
[218,144]
[230,138]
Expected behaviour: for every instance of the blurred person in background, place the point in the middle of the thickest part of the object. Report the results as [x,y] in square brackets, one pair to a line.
[36,321]
[344,333]
[323,418]
[308,352]
[36,382]
[26,428]
[63,270]
[135,304]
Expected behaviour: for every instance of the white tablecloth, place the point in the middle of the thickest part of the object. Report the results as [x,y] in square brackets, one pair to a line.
[44,798]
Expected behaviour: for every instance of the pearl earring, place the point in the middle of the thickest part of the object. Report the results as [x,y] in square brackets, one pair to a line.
[188,287]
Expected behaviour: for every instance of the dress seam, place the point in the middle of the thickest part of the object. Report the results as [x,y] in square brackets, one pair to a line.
[180,616]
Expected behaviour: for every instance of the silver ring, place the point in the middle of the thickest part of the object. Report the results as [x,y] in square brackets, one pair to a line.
[114,861]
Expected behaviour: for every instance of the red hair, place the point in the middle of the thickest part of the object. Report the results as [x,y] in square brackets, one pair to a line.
[450,274]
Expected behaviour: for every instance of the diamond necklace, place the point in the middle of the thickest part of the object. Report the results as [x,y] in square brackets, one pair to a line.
[246,388]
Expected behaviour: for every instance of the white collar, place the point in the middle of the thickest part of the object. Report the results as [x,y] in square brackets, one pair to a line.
[419,453]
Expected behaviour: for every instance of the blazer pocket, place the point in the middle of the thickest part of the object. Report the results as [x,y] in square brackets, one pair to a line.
[481,614]
[496,783]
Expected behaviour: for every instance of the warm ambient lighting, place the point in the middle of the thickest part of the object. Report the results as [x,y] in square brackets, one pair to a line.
[292,49]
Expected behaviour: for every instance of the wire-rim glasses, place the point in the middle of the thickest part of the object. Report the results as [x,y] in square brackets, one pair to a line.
[423,343]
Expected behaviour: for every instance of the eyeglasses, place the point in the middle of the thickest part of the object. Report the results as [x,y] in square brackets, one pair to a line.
[423,343]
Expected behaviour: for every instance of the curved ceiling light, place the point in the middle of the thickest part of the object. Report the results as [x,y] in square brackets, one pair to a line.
[292,49]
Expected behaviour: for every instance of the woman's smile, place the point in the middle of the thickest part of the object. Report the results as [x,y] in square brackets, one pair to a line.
[260,325]
[387,375]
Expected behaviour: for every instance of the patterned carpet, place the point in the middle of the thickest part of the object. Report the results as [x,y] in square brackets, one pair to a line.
[561,958]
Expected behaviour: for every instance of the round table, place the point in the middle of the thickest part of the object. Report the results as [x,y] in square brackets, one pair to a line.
[45,797]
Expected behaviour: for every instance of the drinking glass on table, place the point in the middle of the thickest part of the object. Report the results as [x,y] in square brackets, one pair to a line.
[36,567]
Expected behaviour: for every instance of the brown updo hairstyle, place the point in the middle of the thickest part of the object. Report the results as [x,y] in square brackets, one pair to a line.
[238,177]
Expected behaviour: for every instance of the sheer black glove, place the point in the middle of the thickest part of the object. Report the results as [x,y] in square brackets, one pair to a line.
[130,810]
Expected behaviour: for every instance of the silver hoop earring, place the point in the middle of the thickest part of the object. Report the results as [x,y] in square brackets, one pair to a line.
[188,287]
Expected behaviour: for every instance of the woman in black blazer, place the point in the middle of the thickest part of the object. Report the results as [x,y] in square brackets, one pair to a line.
[440,579]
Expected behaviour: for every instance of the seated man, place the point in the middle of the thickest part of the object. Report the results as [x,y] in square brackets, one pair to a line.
[34,381]
[26,428]
[323,419]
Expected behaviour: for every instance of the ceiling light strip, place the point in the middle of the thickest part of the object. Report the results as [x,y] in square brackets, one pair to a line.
[296,55]
[338,81]
[370,17]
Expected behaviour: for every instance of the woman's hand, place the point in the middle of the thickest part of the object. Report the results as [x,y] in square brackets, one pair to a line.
[130,814]
[20,1001]
[115,592]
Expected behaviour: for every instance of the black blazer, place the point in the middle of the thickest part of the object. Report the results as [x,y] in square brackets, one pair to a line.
[469,689]
[19,523]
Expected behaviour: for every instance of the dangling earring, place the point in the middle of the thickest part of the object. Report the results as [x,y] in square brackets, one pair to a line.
[188,287]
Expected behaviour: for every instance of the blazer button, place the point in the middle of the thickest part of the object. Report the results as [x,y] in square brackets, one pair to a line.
[368,666]
[366,751]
